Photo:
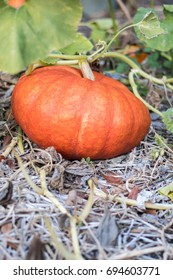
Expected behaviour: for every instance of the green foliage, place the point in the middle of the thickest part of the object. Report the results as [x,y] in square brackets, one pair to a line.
[36,28]
[149,26]
[100,29]
[155,33]
[167,191]
[168,119]
[80,45]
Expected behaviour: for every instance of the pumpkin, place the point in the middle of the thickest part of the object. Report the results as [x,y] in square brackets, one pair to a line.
[100,119]
[16,3]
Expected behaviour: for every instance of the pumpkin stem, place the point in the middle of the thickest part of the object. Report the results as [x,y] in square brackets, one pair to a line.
[86,70]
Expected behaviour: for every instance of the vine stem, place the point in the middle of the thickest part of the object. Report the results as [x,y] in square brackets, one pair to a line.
[118,33]
[136,93]
[134,66]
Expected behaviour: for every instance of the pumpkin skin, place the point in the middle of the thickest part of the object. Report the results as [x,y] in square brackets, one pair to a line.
[100,119]
[16,3]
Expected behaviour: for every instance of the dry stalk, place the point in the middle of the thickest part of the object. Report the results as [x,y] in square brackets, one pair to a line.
[49,195]
[89,203]
[131,202]
[9,147]
[136,253]
[73,220]
[27,177]
[59,246]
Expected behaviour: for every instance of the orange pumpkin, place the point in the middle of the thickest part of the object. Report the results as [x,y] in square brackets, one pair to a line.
[16,3]
[100,119]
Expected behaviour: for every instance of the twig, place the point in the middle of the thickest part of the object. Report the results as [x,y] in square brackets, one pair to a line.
[59,246]
[125,10]
[49,195]
[27,177]
[136,253]
[75,242]
[131,202]
[89,203]
[19,140]
[9,148]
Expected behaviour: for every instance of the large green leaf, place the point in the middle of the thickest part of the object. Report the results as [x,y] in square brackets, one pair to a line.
[160,33]
[80,45]
[37,27]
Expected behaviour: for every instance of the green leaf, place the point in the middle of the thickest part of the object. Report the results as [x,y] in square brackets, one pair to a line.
[161,42]
[104,23]
[80,45]
[97,34]
[38,27]
[168,191]
[149,26]
[167,118]
[168,8]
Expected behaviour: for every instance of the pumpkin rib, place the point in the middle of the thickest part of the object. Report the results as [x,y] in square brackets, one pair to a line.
[109,121]
[78,132]
[101,149]
[118,133]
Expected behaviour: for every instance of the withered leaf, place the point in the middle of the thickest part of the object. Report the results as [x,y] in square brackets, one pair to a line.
[107,231]
[5,228]
[36,249]
[57,180]
[134,192]
[6,191]
[112,178]
[73,198]
[6,141]
[2,157]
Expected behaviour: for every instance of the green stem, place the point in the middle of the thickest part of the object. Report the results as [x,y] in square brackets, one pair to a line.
[152,3]
[170,80]
[112,14]
[118,33]
[121,57]
[171,55]
[137,68]
[67,56]
[67,62]
[136,93]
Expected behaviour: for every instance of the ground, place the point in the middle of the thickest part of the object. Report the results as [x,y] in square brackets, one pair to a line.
[125,218]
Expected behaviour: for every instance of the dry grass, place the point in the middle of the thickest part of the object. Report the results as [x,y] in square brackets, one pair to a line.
[52,208]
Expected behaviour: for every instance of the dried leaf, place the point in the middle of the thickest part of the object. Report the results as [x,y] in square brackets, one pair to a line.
[6,141]
[10,162]
[73,198]
[36,249]
[64,222]
[134,193]
[107,231]
[6,191]
[6,228]
[57,180]
[112,178]
[10,240]
[1,158]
